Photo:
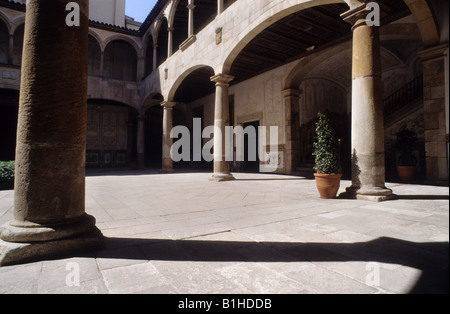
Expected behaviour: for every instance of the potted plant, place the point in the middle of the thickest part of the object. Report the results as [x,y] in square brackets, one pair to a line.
[6,175]
[406,162]
[328,176]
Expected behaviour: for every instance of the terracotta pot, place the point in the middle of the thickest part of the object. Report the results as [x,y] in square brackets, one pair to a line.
[407,173]
[328,184]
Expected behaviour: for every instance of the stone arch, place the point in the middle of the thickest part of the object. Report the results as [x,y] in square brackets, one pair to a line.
[95,54]
[4,18]
[160,38]
[127,39]
[120,61]
[154,99]
[148,47]
[4,41]
[305,65]
[182,77]
[98,38]
[18,44]
[426,23]
[264,21]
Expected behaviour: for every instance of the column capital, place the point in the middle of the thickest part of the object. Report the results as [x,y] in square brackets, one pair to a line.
[354,15]
[222,78]
[291,92]
[434,53]
[191,6]
[168,104]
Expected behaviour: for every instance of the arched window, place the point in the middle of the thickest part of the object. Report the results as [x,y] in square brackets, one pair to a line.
[4,43]
[180,25]
[18,45]
[120,61]
[94,57]
[162,43]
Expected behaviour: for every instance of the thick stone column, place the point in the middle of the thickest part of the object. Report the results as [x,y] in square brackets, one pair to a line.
[167,162]
[221,120]
[292,152]
[436,134]
[368,157]
[49,197]
[141,142]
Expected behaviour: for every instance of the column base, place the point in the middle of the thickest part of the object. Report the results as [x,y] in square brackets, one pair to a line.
[166,171]
[28,232]
[221,177]
[373,194]
[18,253]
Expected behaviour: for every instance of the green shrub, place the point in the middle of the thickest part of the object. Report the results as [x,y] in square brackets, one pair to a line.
[6,170]
[325,147]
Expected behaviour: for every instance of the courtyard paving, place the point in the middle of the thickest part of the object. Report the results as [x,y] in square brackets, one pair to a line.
[261,234]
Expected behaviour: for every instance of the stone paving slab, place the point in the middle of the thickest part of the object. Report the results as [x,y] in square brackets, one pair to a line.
[263,233]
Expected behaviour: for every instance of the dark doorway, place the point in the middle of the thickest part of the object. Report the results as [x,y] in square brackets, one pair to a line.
[250,163]
[153,138]
[9,107]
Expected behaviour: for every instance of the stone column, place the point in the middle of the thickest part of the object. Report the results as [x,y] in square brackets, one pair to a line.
[191,7]
[436,136]
[141,142]
[49,197]
[102,63]
[11,49]
[292,152]
[167,162]
[368,157]
[221,120]
[155,56]
[220,7]
[169,41]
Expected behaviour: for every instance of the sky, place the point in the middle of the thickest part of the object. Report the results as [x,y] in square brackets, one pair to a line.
[139,9]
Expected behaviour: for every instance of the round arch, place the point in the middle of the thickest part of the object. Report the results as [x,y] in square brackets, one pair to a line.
[183,76]
[120,61]
[5,20]
[4,42]
[98,38]
[264,21]
[127,39]
[154,99]
[426,22]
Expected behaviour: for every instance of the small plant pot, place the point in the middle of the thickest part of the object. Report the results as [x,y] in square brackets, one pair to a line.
[328,184]
[407,173]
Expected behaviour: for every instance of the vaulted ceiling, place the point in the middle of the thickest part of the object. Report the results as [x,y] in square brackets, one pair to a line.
[299,35]
[293,37]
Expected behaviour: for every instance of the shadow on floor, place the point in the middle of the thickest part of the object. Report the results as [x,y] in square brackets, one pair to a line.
[432,259]
[423,197]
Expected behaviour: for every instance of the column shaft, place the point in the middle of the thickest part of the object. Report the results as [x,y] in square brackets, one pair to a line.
[221,120]
[220,7]
[169,41]
[49,195]
[368,157]
[292,151]
[191,8]
[141,142]
[167,162]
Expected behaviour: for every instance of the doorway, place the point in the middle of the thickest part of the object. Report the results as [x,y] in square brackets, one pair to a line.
[251,164]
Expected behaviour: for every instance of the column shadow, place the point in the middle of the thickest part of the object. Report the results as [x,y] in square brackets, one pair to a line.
[432,259]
